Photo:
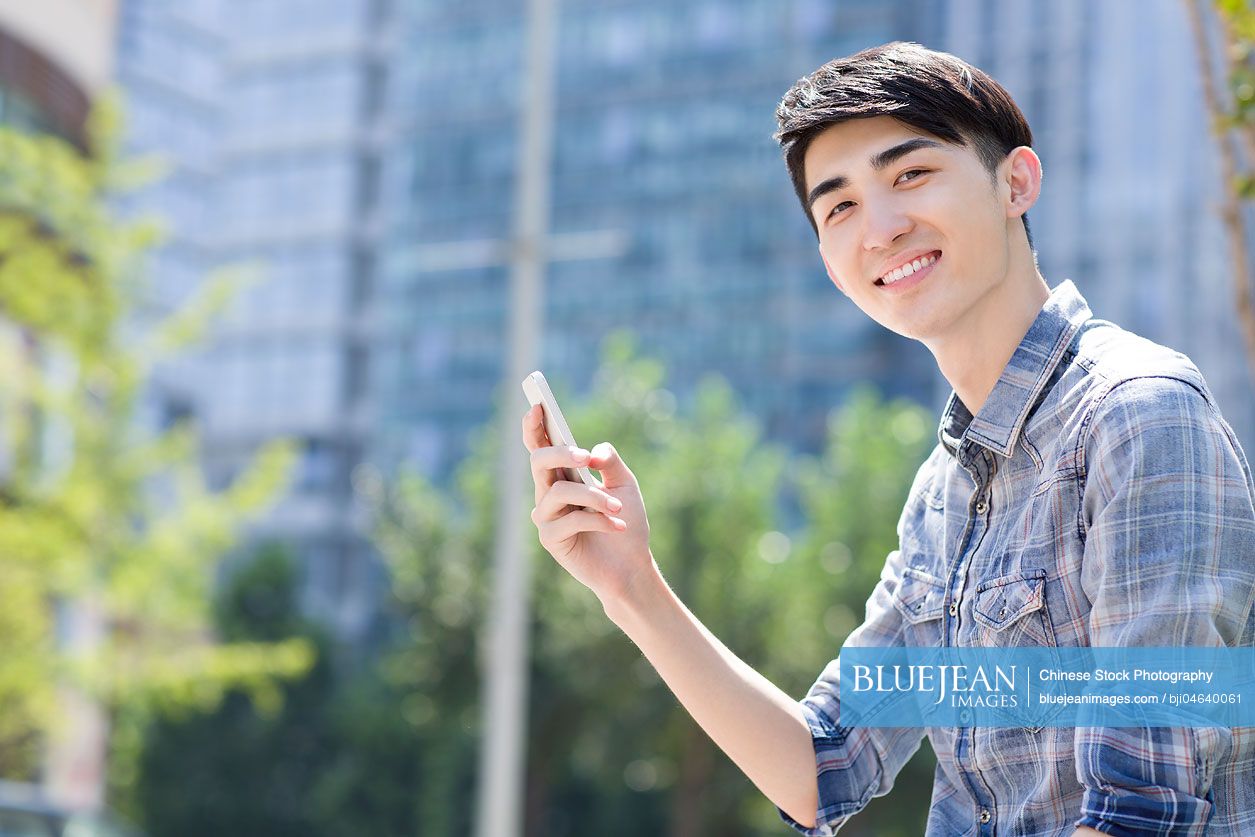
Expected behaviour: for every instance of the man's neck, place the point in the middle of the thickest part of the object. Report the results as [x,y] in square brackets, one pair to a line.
[978,348]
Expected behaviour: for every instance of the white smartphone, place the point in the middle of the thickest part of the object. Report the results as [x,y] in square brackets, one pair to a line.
[536,388]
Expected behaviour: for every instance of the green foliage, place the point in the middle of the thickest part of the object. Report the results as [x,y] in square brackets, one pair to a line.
[1238,17]
[332,756]
[610,750]
[95,509]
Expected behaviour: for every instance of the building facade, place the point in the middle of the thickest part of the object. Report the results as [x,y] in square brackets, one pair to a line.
[54,57]
[269,115]
[662,143]
[365,153]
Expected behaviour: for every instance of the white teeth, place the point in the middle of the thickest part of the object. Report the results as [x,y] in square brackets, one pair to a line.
[907,270]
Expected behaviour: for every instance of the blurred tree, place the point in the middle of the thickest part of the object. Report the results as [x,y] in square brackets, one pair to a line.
[101,516]
[335,758]
[1233,121]
[852,497]
[610,750]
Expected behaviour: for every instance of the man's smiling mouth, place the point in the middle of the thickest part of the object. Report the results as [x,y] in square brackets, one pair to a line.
[910,268]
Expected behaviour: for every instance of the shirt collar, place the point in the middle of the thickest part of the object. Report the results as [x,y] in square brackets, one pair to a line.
[998,423]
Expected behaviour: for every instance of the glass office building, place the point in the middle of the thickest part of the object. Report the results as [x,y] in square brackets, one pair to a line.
[662,146]
[270,116]
[662,136]
[345,146]
[366,153]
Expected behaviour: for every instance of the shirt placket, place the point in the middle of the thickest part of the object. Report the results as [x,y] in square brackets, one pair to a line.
[980,465]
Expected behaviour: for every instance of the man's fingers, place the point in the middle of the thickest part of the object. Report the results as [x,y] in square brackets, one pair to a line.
[574,522]
[542,475]
[563,494]
[613,470]
[548,459]
[533,429]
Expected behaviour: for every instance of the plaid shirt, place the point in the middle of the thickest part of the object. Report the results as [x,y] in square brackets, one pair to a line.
[1097,499]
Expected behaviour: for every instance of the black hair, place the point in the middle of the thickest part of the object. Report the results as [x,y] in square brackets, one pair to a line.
[931,91]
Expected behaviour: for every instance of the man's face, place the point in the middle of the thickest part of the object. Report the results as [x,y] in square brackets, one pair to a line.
[935,201]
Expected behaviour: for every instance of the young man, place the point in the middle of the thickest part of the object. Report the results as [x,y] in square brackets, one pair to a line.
[1085,490]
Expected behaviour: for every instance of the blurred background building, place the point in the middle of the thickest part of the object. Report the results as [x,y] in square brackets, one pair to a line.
[663,137]
[55,56]
[270,116]
[364,152]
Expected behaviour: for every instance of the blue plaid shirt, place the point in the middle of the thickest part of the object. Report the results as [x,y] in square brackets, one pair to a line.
[1097,498]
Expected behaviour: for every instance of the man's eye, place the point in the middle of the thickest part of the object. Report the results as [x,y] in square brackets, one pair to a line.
[836,208]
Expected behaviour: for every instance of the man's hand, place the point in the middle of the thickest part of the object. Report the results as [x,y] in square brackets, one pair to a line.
[607,547]
[1086,831]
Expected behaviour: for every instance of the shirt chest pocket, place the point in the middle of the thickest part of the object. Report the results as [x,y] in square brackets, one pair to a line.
[919,598]
[1010,611]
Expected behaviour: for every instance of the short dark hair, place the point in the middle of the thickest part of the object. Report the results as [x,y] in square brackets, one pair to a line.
[931,91]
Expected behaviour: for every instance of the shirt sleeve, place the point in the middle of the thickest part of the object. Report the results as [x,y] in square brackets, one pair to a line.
[854,764]
[1169,522]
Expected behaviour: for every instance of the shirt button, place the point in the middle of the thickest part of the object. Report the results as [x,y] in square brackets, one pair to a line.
[965,717]
[954,608]
[985,816]
[981,507]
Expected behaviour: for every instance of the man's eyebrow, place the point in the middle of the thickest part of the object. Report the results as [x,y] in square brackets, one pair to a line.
[879,161]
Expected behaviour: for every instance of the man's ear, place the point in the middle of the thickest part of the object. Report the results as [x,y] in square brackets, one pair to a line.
[831,275]
[1023,179]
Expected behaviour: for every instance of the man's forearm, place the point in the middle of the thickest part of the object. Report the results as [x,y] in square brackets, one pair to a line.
[760,728]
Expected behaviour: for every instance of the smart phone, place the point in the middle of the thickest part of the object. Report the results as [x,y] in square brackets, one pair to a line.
[536,388]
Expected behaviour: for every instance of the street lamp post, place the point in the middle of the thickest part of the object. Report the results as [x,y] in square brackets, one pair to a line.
[503,731]
[505,663]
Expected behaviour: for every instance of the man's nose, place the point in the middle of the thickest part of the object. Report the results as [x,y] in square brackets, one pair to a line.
[883,225]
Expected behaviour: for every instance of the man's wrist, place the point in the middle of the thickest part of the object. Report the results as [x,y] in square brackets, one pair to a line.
[637,597]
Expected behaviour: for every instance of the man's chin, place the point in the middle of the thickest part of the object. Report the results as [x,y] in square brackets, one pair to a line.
[919,330]
[931,332]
